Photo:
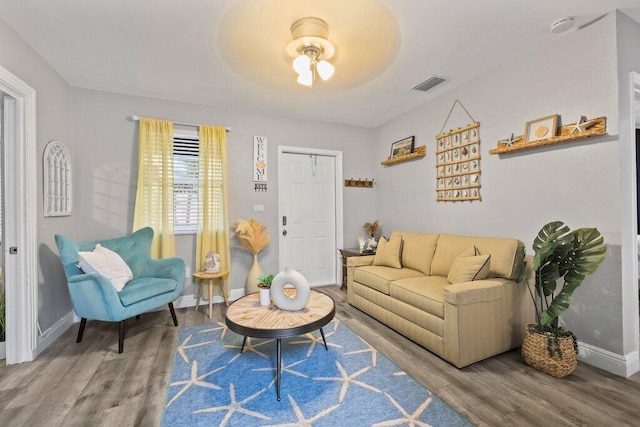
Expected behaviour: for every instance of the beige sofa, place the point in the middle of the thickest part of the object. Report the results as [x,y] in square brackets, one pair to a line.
[461,322]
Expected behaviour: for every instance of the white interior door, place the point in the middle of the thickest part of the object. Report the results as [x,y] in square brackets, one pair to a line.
[308,216]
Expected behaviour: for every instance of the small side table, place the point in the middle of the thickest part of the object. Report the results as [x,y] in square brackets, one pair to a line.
[346,253]
[217,278]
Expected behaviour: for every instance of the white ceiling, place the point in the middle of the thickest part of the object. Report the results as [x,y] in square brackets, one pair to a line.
[184,49]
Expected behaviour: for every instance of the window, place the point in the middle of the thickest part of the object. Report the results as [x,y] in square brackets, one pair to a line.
[185,183]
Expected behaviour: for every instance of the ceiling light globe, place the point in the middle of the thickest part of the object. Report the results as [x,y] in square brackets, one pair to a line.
[305,78]
[302,63]
[325,69]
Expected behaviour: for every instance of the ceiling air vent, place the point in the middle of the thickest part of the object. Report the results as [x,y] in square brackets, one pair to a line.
[430,83]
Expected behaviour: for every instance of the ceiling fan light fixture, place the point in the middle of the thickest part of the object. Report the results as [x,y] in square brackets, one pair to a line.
[325,69]
[305,78]
[302,63]
[311,49]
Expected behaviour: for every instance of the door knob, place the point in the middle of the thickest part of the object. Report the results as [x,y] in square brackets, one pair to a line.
[284,232]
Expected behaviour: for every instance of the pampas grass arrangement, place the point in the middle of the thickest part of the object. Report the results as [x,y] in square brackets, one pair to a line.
[371,228]
[251,235]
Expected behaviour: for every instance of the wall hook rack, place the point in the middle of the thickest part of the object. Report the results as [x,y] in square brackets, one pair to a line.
[361,183]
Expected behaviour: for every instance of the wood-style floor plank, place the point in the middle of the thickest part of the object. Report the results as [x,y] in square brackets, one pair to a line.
[89,383]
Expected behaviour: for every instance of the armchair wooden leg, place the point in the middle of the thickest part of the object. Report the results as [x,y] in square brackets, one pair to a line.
[138,317]
[83,323]
[173,314]
[121,337]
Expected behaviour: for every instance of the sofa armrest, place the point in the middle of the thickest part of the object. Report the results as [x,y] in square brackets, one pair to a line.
[94,297]
[357,261]
[483,318]
[477,291]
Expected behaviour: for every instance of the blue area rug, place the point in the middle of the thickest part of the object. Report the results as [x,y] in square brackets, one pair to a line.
[351,384]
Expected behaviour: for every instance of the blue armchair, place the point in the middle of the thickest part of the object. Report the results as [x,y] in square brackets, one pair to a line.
[155,282]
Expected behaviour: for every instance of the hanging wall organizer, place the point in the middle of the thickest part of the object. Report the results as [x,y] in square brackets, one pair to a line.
[458,161]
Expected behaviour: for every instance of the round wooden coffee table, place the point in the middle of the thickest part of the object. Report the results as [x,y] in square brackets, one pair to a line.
[247,317]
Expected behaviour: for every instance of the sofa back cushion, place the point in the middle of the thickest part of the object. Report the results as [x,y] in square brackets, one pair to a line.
[506,254]
[388,253]
[417,250]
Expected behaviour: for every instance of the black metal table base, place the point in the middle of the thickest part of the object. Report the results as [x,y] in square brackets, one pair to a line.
[279,359]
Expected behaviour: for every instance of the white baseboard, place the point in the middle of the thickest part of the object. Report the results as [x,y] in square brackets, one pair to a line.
[186,301]
[622,365]
[54,332]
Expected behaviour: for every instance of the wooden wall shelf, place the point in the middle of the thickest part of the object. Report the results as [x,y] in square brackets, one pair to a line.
[564,135]
[360,183]
[417,153]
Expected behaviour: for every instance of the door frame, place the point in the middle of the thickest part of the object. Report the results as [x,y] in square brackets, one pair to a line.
[21,272]
[339,212]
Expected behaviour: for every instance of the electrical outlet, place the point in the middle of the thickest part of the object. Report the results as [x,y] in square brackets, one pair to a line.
[187,272]
[258,208]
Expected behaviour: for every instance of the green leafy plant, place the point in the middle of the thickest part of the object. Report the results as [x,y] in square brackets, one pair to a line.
[264,281]
[563,258]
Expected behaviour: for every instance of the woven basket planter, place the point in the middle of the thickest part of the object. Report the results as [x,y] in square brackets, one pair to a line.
[535,352]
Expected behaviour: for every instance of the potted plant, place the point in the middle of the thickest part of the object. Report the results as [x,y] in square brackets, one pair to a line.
[563,258]
[264,283]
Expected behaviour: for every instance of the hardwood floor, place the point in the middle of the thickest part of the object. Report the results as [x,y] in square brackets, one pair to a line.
[90,384]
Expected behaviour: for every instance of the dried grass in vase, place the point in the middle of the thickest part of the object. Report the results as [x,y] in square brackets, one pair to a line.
[371,228]
[251,235]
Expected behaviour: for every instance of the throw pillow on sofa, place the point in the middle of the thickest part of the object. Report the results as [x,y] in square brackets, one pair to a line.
[108,263]
[469,268]
[388,252]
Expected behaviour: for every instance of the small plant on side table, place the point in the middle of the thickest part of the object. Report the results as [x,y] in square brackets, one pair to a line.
[264,281]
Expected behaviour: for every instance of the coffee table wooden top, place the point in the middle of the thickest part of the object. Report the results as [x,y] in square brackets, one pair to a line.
[247,317]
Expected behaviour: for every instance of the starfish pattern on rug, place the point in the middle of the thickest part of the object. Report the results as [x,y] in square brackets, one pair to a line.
[285,368]
[301,421]
[410,419]
[195,380]
[374,352]
[235,406]
[182,347]
[249,346]
[222,326]
[313,341]
[347,379]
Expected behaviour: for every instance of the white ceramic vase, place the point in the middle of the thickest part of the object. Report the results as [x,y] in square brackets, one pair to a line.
[251,284]
[265,297]
[290,277]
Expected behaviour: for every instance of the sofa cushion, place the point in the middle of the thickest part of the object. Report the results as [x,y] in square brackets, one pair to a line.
[425,293]
[378,277]
[417,250]
[145,288]
[506,254]
[469,268]
[388,252]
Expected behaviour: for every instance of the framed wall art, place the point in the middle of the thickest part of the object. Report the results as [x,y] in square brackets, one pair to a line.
[543,128]
[402,147]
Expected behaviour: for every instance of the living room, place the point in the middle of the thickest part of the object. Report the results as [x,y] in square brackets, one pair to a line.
[586,183]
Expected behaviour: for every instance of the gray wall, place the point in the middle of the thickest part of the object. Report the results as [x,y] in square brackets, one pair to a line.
[54,121]
[576,182]
[628,36]
[105,167]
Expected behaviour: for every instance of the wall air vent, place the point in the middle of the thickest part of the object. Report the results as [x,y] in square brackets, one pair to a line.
[430,83]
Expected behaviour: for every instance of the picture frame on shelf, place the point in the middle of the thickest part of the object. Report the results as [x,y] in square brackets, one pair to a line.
[403,147]
[542,128]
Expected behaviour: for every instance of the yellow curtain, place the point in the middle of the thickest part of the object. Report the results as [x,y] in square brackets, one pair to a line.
[213,230]
[154,197]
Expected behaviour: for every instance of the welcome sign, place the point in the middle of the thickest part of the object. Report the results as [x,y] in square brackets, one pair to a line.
[260,159]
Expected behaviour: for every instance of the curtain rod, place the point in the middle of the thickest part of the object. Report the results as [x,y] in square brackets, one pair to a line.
[136,118]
